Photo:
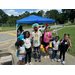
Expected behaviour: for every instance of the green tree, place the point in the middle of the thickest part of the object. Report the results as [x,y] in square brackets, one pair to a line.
[47,14]
[33,13]
[3,16]
[40,13]
[53,14]
[70,13]
[27,13]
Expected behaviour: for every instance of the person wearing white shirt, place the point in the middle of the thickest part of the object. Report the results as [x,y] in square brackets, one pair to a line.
[55,46]
[27,44]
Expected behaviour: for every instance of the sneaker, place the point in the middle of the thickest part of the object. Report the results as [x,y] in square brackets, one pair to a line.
[26,64]
[63,62]
[39,60]
[58,60]
[55,59]
[52,60]
[48,56]
[45,57]
[30,63]
[35,60]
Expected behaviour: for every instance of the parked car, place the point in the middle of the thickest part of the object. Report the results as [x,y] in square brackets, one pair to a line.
[41,27]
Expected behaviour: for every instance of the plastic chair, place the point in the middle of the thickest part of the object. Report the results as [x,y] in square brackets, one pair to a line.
[6,58]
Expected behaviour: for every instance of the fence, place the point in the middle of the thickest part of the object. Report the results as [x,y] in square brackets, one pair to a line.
[7,25]
[11,25]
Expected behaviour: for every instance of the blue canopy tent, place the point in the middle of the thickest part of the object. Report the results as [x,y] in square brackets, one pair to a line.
[33,19]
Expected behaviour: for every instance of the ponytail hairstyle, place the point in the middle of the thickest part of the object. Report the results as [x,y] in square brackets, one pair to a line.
[47,26]
[19,43]
[67,34]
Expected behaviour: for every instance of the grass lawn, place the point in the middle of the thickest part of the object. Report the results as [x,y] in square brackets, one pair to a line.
[71,31]
[13,28]
[52,29]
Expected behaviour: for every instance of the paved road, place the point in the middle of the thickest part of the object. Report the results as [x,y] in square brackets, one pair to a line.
[6,36]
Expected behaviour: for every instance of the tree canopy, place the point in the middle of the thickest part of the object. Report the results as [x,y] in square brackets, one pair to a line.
[63,17]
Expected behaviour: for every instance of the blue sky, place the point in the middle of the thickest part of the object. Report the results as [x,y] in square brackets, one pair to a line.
[17,12]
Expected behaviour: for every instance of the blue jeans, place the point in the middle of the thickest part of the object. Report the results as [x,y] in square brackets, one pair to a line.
[54,54]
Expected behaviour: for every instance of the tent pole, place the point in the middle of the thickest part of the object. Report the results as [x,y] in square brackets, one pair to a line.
[16,31]
[56,30]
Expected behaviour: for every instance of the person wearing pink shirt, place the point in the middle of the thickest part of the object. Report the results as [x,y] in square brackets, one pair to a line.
[46,39]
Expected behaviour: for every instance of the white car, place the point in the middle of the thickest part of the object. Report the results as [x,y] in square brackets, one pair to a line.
[41,27]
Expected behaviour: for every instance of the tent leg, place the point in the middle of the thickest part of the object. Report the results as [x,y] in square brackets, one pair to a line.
[16,31]
[56,30]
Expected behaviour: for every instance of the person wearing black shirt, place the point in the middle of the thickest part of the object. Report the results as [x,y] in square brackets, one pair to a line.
[19,31]
[64,44]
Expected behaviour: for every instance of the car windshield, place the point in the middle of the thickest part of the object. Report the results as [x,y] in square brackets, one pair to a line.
[39,26]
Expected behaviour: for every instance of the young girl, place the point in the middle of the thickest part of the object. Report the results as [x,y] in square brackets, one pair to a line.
[20,51]
[64,44]
[55,46]
[27,44]
[46,40]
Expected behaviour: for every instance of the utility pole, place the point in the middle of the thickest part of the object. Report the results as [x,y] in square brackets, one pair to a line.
[56,30]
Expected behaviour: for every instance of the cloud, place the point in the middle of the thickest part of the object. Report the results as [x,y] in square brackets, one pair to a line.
[42,9]
[59,10]
[12,12]
[31,11]
[21,13]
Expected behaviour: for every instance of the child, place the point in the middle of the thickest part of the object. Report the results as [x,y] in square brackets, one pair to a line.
[20,51]
[64,44]
[55,46]
[19,31]
[27,44]
[36,41]
[46,39]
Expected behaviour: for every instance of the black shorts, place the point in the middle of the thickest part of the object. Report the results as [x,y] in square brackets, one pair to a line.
[45,44]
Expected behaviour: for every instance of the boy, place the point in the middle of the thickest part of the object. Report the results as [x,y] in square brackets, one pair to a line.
[55,46]
[36,41]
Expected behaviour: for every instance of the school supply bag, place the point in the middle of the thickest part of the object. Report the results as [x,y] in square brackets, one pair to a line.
[42,48]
